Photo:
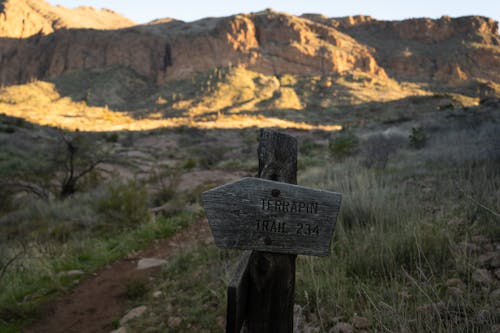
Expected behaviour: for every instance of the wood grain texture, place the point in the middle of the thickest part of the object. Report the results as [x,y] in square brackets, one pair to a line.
[263,215]
[272,276]
[237,295]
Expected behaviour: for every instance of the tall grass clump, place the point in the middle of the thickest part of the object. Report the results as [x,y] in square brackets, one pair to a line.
[390,258]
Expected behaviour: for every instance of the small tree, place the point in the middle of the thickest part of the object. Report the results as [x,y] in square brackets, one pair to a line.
[78,160]
[50,168]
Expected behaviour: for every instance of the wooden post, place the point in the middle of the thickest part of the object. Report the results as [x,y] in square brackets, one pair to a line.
[277,220]
[272,276]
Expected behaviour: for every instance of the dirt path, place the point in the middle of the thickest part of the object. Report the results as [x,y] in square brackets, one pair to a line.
[98,300]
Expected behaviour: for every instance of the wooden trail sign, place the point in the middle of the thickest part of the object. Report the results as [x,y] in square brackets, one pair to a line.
[276,220]
[264,215]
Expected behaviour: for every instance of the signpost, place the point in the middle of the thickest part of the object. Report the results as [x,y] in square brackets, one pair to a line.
[264,215]
[277,221]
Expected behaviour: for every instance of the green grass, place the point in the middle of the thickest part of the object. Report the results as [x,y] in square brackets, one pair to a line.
[199,279]
[33,279]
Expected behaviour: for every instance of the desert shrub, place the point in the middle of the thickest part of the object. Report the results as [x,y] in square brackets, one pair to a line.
[124,205]
[418,138]
[189,164]
[343,145]
[112,137]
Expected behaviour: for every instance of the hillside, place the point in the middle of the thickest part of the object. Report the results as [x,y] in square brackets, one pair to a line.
[25,18]
[249,68]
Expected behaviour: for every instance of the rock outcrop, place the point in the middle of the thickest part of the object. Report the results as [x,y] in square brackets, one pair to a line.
[25,18]
[453,51]
[450,51]
[268,42]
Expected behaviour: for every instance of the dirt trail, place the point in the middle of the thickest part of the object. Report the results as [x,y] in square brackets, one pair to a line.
[98,300]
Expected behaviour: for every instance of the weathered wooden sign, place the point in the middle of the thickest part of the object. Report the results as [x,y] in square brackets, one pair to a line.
[270,216]
[276,219]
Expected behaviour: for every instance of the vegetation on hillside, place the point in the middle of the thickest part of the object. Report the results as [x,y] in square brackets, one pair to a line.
[414,248]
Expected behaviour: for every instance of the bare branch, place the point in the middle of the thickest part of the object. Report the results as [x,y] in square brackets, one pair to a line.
[3,269]
[27,187]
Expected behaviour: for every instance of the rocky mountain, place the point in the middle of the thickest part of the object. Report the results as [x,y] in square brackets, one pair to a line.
[449,51]
[249,63]
[25,18]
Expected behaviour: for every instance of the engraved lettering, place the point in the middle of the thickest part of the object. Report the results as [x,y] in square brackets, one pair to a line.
[285,206]
[306,229]
[301,206]
[265,225]
[270,226]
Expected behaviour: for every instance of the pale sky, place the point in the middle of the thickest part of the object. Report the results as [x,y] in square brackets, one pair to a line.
[142,11]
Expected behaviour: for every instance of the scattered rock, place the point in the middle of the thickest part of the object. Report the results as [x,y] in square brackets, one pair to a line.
[132,314]
[157,294]
[432,307]
[495,298]
[75,272]
[482,276]
[122,329]
[146,263]
[495,262]
[361,322]
[483,317]
[469,248]
[174,322]
[455,282]
[486,258]
[479,239]
[342,328]
[456,292]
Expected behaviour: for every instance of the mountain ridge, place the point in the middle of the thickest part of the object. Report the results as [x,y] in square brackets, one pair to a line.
[451,51]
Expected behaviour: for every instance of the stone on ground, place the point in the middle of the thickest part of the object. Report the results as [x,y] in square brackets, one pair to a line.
[132,314]
[482,276]
[342,328]
[146,263]
[361,322]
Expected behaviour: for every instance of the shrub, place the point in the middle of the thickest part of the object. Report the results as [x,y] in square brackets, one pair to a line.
[190,164]
[113,137]
[418,138]
[343,145]
[124,204]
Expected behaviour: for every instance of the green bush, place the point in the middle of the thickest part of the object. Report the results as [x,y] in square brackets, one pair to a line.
[343,145]
[190,164]
[124,204]
[112,137]
[418,138]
